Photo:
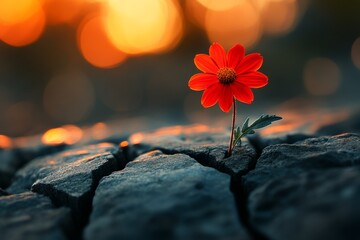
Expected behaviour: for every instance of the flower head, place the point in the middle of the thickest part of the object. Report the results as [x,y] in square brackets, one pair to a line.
[227,76]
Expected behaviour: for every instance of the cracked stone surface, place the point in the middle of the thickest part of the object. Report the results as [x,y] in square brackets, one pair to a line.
[310,188]
[164,197]
[69,178]
[13,159]
[285,186]
[206,145]
[9,163]
[31,216]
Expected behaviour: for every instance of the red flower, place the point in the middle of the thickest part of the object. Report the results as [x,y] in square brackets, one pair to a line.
[227,76]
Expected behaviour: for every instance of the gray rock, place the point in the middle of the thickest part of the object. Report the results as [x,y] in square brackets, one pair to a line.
[262,142]
[31,216]
[208,146]
[9,163]
[312,205]
[313,153]
[307,190]
[164,197]
[13,159]
[69,178]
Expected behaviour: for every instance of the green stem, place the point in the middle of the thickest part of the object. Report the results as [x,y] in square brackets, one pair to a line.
[229,152]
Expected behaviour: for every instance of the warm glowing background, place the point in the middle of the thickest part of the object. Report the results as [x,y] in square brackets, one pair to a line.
[66,62]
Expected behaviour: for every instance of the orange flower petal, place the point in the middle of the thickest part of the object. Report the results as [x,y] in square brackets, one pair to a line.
[226,98]
[235,55]
[211,95]
[251,62]
[242,92]
[218,54]
[253,79]
[205,63]
[202,81]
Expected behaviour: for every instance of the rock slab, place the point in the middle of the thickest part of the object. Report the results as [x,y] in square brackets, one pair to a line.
[69,178]
[307,190]
[32,216]
[208,146]
[165,197]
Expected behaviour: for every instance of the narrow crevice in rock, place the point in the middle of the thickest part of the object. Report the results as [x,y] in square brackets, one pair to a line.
[213,157]
[70,179]
[182,217]
[133,152]
[241,197]
[236,187]
[88,199]
[241,200]
[255,142]
[15,159]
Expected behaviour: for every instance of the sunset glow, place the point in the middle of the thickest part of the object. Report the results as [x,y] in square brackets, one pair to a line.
[63,11]
[278,16]
[110,31]
[133,33]
[99,130]
[124,144]
[13,12]
[226,28]
[5,142]
[22,33]
[95,45]
[68,134]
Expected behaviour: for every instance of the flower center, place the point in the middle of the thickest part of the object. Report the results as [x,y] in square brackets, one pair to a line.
[226,75]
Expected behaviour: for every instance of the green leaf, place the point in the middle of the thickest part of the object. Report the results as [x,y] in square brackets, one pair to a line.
[238,142]
[237,133]
[250,132]
[245,125]
[264,120]
[237,136]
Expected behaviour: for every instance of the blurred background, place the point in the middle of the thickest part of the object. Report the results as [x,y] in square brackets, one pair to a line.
[87,62]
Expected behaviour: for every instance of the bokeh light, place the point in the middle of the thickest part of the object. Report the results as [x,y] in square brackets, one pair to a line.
[240,24]
[62,11]
[144,26]
[69,97]
[278,16]
[99,130]
[95,45]
[74,134]
[217,5]
[120,26]
[49,84]
[24,32]
[54,136]
[136,138]
[5,142]
[13,12]
[195,12]
[67,134]
[124,144]
[321,76]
